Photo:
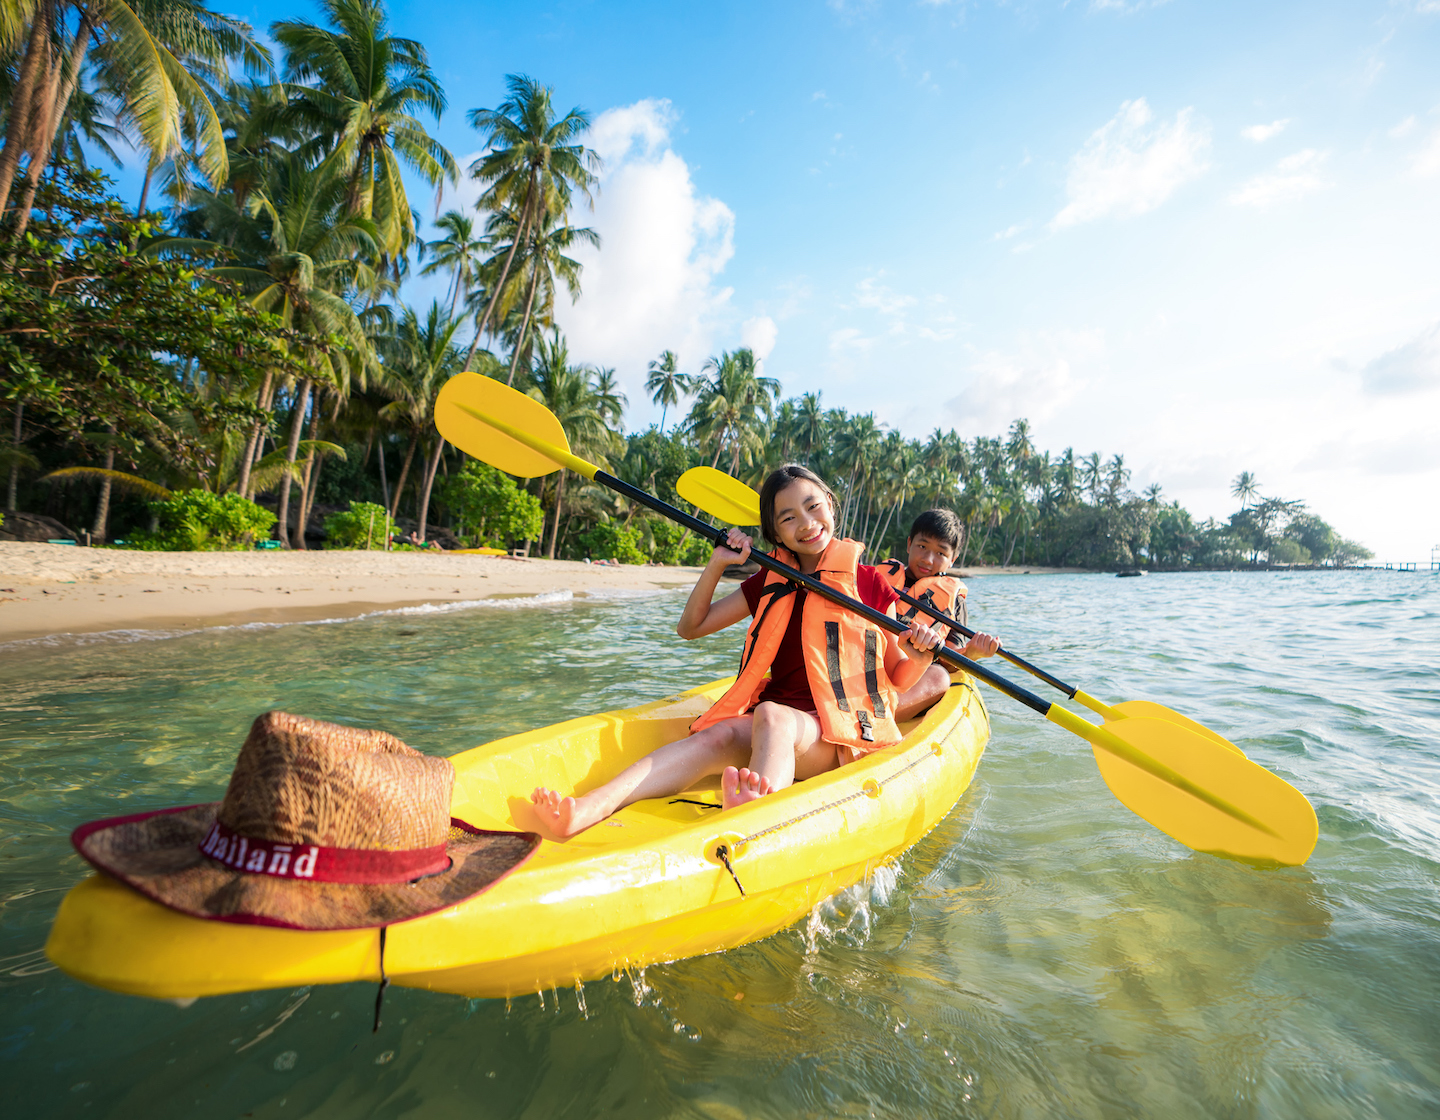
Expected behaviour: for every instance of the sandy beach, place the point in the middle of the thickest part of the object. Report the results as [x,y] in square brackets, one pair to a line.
[48,589]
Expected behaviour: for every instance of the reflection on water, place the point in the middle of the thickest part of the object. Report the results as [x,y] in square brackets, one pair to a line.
[1042,953]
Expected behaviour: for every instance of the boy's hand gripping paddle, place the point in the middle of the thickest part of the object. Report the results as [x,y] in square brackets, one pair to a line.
[735,503]
[1205,796]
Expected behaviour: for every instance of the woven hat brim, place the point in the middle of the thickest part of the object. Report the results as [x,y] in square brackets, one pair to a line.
[158,854]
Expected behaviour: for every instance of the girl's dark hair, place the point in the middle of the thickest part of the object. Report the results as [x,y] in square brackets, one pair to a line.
[776,481]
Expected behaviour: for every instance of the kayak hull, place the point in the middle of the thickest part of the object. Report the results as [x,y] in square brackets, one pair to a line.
[642,888]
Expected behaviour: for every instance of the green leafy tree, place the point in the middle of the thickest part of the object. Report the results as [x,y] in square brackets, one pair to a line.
[666,384]
[199,521]
[364,525]
[489,509]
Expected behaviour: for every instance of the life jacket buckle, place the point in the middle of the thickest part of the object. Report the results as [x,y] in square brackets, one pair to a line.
[867,730]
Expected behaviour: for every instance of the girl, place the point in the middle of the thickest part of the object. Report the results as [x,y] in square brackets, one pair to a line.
[830,693]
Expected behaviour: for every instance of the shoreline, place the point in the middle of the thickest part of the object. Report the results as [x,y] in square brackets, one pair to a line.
[57,590]
[51,591]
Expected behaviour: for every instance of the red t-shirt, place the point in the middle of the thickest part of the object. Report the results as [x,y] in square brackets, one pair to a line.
[788,683]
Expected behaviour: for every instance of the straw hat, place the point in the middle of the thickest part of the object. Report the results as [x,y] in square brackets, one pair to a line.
[323,827]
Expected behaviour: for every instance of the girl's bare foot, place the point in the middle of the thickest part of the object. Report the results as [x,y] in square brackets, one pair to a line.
[558,814]
[739,786]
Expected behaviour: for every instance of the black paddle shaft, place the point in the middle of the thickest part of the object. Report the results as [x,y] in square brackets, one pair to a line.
[1015,659]
[810,583]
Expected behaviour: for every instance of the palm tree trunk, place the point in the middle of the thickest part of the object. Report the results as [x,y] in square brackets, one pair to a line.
[297,421]
[432,468]
[102,507]
[17,134]
[384,484]
[144,189]
[47,118]
[559,501]
[12,491]
[520,232]
[247,461]
[404,471]
[307,492]
[524,328]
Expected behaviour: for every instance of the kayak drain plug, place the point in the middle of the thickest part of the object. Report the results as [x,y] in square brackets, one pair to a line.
[722,853]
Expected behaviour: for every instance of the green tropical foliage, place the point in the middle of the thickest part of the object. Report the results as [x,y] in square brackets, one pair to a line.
[364,525]
[198,521]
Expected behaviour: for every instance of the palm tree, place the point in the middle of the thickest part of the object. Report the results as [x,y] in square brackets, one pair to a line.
[457,253]
[304,253]
[569,393]
[666,384]
[810,424]
[1246,487]
[1092,475]
[145,55]
[532,165]
[543,262]
[422,356]
[733,405]
[366,87]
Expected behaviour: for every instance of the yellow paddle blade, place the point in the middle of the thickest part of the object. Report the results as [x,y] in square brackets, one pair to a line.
[476,438]
[1130,709]
[725,498]
[1287,826]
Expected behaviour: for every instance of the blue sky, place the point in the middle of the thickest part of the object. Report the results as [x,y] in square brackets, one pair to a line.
[1200,234]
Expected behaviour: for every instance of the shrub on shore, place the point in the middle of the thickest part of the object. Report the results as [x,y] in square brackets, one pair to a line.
[199,521]
[364,525]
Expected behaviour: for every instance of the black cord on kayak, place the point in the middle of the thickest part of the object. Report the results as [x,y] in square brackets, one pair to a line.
[724,853]
[384,983]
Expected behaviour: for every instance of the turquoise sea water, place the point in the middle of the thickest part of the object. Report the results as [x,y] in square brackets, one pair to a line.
[1042,953]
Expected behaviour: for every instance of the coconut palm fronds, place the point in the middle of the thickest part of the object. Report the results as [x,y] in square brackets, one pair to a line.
[134,483]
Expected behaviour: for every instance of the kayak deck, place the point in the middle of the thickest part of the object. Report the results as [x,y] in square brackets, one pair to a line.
[643,887]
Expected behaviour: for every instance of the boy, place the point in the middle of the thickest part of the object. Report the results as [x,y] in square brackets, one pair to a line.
[930,550]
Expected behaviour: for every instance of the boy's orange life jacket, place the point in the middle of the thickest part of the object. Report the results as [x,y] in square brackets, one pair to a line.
[944,593]
[844,656]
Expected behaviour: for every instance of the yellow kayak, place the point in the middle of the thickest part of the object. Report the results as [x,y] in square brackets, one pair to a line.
[646,886]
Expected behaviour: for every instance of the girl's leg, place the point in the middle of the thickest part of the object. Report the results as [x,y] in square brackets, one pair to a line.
[785,744]
[668,770]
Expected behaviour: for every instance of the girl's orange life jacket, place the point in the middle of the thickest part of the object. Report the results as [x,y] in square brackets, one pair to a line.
[944,593]
[844,656]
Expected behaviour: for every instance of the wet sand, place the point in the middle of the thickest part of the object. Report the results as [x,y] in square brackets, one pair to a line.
[50,589]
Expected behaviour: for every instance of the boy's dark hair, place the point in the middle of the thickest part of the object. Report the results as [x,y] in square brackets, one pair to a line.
[776,481]
[942,525]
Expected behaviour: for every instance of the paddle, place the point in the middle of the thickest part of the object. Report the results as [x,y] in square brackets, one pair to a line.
[1206,797]
[729,499]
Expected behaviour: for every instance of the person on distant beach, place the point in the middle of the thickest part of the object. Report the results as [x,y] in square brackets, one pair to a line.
[833,678]
[930,550]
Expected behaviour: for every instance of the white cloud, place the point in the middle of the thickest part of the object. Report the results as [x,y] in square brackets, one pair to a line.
[759,334]
[874,296]
[1294,177]
[1427,159]
[849,338]
[1036,381]
[1128,167]
[1411,367]
[1007,233]
[1259,133]
[653,284]
[1403,129]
